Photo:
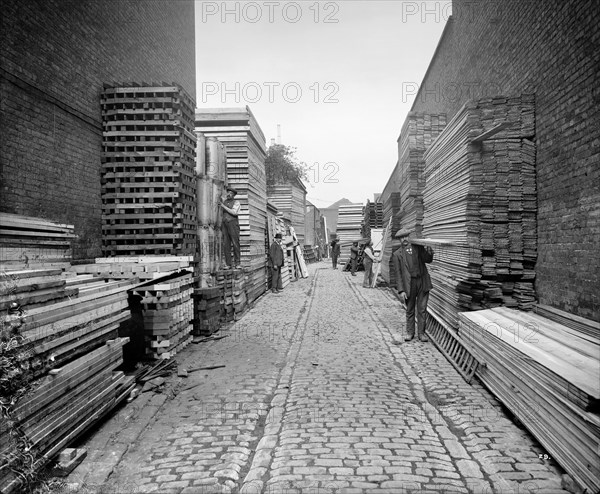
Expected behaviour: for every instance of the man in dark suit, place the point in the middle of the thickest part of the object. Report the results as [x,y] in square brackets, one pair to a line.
[413,281]
[335,252]
[276,262]
[353,258]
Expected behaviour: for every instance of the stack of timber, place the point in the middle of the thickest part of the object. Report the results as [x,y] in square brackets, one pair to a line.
[418,133]
[207,310]
[548,375]
[309,254]
[168,312]
[232,284]
[58,408]
[585,327]
[245,150]
[290,199]
[27,242]
[479,204]
[373,217]
[148,186]
[129,267]
[349,228]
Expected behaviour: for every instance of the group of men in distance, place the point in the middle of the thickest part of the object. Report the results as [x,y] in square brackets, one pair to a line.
[412,277]
[409,260]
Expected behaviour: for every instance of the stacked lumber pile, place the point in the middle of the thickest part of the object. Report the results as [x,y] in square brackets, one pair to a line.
[27,242]
[548,375]
[309,254]
[290,199]
[373,214]
[245,151]
[207,310]
[60,407]
[479,203]
[585,327]
[417,134]
[168,311]
[349,228]
[129,267]
[148,184]
[232,284]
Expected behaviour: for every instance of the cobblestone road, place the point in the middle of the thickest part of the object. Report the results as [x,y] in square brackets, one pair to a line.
[316,396]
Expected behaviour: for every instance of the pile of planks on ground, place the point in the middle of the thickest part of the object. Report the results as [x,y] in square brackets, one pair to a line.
[167,311]
[309,254]
[60,347]
[480,203]
[349,228]
[245,150]
[148,157]
[548,375]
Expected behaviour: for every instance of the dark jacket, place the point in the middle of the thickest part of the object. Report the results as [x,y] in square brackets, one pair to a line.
[335,249]
[275,255]
[353,252]
[403,272]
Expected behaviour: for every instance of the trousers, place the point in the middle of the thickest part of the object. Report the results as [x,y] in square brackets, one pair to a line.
[231,238]
[417,301]
[276,278]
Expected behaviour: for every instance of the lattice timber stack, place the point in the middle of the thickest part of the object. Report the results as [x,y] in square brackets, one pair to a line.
[148,161]
[168,310]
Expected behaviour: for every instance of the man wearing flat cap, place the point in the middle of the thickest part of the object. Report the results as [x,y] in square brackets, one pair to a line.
[230,227]
[413,281]
[276,263]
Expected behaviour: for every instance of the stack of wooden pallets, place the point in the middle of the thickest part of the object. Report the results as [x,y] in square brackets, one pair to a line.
[168,312]
[27,242]
[148,159]
[548,375]
[290,199]
[479,201]
[245,149]
[233,294]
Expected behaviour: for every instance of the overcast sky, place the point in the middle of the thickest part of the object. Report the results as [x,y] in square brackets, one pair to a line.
[339,77]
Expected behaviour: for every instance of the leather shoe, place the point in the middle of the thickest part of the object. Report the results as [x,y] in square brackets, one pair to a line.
[409,338]
[423,338]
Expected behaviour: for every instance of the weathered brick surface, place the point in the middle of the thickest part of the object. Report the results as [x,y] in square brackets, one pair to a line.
[55,56]
[509,47]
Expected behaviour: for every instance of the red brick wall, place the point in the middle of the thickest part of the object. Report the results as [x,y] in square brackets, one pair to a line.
[551,49]
[55,56]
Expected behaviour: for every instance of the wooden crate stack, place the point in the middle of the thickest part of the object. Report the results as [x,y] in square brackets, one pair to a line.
[168,312]
[349,226]
[548,376]
[233,293]
[475,200]
[148,159]
[62,340]
[290,199]
[245,149]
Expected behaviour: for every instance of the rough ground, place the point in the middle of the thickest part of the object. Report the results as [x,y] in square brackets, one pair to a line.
[315,397]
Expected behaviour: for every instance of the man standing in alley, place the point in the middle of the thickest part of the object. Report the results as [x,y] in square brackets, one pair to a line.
[413,281]
[276,262]
[335,252]
[230,228]
[353,258]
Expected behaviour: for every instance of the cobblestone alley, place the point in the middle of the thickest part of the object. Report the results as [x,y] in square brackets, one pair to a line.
[317,395]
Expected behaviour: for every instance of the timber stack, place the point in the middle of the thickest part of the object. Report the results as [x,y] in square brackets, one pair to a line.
[547,375]
[148,186]
[290,199]
[245,151]
[349,227]
[168,311]
[60,347]
[480,203]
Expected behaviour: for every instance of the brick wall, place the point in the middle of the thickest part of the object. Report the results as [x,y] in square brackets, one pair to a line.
[55,56]
[548,48]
